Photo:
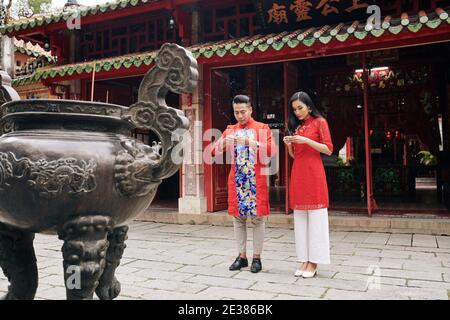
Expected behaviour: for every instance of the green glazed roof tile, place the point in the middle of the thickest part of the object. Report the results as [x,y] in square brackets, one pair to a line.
[396,29]
[263,47]
[221,52]
[325,39]
[148,60]
[249,49]
[433,24]
[415,27]
[360,34]
[342,37]
[293,43]
[208,54]
[127,64]
[137,62]
[278,45]
[377,32]
[309,42]
[235,51]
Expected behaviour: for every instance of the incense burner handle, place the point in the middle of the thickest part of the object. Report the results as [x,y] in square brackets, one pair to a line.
[7,93]
[175,70]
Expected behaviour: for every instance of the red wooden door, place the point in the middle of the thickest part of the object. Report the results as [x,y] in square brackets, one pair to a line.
[290,87]
[221,104]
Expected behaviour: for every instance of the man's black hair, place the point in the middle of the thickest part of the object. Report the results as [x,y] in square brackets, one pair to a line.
[241,99]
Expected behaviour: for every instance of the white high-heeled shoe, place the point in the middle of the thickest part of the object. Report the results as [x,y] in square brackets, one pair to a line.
[298,273]
[309,274]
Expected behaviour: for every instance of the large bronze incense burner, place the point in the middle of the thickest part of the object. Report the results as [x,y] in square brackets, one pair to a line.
[71,168]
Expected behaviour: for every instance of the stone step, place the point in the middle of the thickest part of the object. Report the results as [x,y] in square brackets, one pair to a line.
[389,224]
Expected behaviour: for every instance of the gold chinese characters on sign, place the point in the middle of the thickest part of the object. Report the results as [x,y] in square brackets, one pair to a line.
[301,9]
[278,14]
[304,10]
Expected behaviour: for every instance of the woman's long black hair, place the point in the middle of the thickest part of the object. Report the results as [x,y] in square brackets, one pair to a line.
[293,121]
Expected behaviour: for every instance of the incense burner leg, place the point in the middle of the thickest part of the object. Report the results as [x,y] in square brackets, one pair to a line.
[18,261]
[109,286]
[84,252]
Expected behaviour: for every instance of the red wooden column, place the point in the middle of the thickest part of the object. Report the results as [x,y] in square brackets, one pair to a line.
[291,86]
[286,152]
[371,204]
[207,124]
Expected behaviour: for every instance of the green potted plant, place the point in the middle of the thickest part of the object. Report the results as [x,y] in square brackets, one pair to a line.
[427,159]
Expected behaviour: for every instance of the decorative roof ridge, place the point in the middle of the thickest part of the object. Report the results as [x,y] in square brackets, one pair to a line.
[39,20]
[32,50]
[104,60]
[34,54]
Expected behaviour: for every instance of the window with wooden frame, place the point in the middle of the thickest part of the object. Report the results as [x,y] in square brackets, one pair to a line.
[222,20]
[136,34]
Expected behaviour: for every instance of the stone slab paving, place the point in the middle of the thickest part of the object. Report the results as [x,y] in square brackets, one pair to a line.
[173,262]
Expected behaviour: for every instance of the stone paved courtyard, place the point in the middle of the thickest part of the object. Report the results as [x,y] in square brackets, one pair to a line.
[170,261]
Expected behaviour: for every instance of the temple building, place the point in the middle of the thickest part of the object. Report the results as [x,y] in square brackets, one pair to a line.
[378,70]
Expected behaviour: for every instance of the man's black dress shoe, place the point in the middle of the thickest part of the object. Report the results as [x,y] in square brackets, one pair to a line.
[256,265]
[239,263]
